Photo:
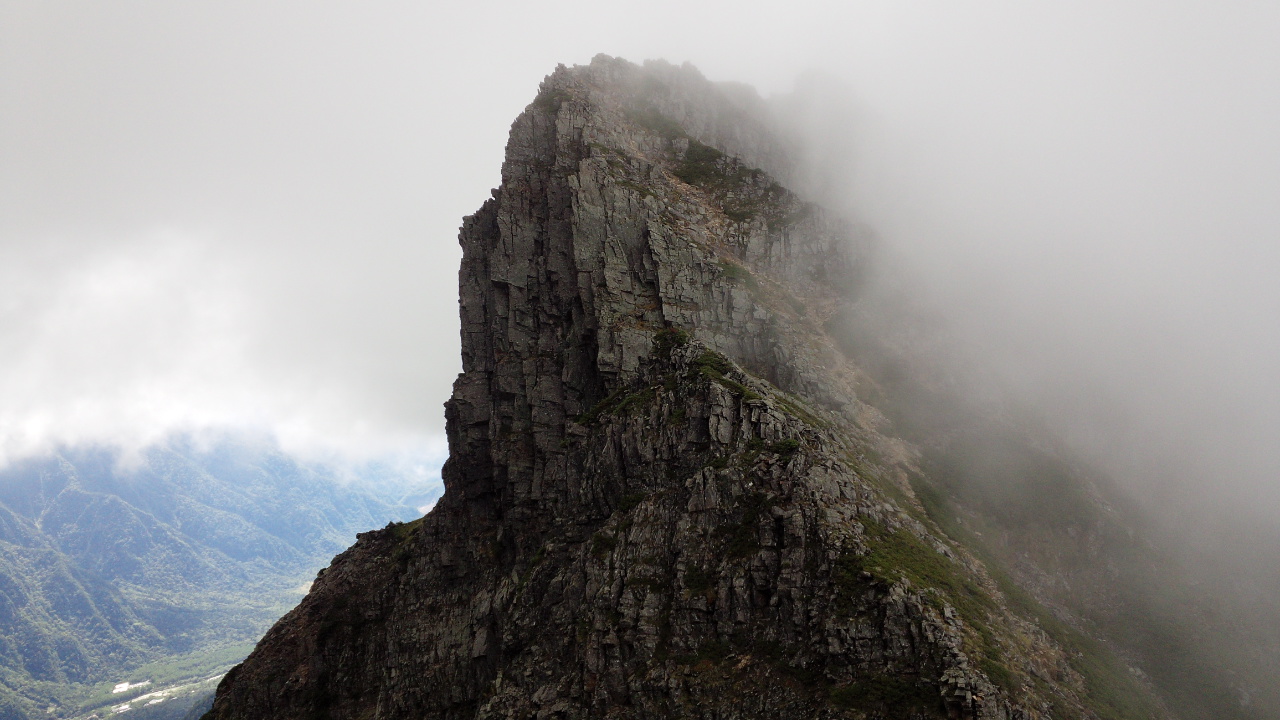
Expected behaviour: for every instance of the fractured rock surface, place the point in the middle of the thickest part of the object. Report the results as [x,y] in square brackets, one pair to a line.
[664,495]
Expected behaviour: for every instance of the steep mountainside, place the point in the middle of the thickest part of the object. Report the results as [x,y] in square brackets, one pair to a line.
[669,492]
[1097,568]
[107,564]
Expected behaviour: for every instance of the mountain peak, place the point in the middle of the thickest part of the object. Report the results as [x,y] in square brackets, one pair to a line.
[615,223]
[664,495]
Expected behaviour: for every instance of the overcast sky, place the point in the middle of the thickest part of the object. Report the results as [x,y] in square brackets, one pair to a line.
[245,213]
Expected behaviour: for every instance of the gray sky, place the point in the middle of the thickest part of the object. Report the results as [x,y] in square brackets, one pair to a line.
[245,213]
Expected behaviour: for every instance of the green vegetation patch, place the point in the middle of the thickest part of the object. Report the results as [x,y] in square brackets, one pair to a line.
[887,692]
[602,544]
[636,400]
[900,555]
[797,409]
[701,165]
[850,583]
[169,672]
[628,502]
[550,100]
[538,557]
[616,402]
[896,555]
[710,169]
[749,200]
[870,466]
[664,341]
[734,185]
[740,190]
[737,274]
[402,531]
[785,448]
[1111,691]
[592,416]
[742,538]
[192,666]
[754,447]
[718,462]
[715,366]
[738,388]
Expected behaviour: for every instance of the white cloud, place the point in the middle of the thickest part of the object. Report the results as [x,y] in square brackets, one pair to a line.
[1113,166]
[128,340]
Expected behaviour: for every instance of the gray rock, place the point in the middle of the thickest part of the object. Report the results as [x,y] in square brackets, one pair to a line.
[658,500]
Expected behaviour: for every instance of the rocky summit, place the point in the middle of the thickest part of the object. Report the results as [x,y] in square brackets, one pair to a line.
[670,491]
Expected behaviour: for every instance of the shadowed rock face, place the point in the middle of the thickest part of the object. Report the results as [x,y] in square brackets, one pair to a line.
[664,497]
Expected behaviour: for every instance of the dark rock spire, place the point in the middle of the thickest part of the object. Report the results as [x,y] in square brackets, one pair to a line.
[664,495]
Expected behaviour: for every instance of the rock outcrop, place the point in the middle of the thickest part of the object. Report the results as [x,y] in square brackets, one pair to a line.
[664,496]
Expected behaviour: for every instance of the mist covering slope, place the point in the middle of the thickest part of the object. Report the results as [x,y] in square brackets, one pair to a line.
[689,475]
[107,563]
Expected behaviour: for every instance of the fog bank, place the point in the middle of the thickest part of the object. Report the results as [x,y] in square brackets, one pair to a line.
[245,215]
[1099,229]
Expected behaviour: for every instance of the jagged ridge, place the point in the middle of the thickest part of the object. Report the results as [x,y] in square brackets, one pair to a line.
[664,497]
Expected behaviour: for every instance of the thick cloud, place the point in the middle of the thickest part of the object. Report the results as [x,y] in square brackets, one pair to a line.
[1089,192]
[236,213]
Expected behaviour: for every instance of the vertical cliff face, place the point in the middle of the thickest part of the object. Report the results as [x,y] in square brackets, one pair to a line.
[664,495]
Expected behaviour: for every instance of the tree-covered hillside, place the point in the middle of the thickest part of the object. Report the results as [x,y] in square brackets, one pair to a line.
[171,562]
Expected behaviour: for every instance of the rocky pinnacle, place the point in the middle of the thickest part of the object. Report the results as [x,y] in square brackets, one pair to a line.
[664,495]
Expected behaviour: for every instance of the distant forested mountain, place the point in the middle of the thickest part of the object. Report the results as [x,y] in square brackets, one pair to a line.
[169,563]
